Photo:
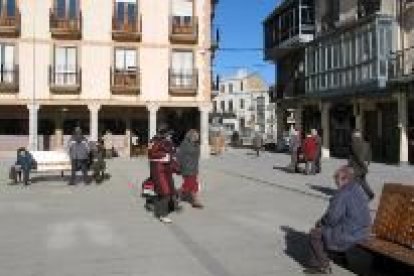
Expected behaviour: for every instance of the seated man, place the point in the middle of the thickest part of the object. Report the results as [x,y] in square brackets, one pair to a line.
[25,163]
[346,222]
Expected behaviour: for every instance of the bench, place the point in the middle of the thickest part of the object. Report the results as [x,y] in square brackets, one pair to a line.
[393,229]
[49,161]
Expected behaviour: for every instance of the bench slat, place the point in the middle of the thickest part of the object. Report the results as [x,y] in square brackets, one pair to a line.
[390,249]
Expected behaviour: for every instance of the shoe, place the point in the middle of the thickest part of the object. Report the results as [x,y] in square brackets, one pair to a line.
[71,183]
[197,205]
[318,270]
[166,220]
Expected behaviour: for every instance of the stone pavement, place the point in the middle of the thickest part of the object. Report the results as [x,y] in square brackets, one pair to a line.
[254,223]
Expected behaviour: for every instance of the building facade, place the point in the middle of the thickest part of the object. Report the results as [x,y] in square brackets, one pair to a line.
[242,104]
[104,65]
[357,74]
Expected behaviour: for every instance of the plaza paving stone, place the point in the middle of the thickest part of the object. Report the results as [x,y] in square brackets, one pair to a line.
[254,222]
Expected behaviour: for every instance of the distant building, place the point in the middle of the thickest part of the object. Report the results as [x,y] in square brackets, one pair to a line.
[242,104]
[345,65]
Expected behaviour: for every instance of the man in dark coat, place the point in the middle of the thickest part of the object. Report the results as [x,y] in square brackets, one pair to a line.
[359,159]
[295,144]
[160,153]
[318,139]
[188,157]
[346,222]
[25,163]
[79,155]
[257,143]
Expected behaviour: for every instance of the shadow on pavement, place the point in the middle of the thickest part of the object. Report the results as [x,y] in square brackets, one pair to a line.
[284,169]
[325,190]
[297,245]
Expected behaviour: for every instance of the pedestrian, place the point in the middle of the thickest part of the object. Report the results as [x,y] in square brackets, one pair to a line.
[188,157]
[359,160]
[257,143]
[160,153]
[79,155]
[345,223]
[23,165]
[98,162]
[318,139]
[294,145]
[310,153]
[108,144]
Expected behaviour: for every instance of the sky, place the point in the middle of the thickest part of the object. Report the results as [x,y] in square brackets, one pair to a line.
[240,25]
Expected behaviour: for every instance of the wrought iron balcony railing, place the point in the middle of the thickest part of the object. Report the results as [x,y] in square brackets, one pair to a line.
[125,81]
[10,23]
[65,82]
[127,29]
[184,29]
[9,78]
[183,82]
[65,27]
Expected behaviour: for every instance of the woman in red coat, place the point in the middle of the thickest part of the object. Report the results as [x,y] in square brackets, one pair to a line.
[310,148]
[160,151]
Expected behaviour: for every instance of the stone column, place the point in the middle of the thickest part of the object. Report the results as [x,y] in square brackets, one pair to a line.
[359,116]
[402,124]
[204,130]
[93,123]
[128,137]
[152,122]
[33,126]
[325,108]
[59,133]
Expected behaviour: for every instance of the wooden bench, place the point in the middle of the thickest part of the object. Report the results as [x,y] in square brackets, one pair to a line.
[51,161]
[393,229]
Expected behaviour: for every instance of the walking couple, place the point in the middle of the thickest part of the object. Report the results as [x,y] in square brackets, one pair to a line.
[164,161]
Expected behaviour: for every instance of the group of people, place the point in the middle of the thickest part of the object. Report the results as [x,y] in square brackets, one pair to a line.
[165,160]
[308,150]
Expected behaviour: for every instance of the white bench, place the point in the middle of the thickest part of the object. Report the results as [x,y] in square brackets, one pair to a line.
[49,161]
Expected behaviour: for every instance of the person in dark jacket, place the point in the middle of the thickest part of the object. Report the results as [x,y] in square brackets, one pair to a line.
[294,144]
[160,154]
[98,165]
[25,162]
[79,155]
[188,157]
[346,222]
[318,139]
[359,160]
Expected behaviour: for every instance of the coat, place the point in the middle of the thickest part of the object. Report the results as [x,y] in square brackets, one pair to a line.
[78,148]
[294,143]
[25,161]
[347,220]
[318,140]
[310,148]
[359,156]
[188,157]
[257,141]
[160,168]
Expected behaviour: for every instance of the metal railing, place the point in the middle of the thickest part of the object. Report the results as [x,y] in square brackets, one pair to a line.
[63,79]
[183,79]
[127,79]
[66,23]
[10,21]
[184,25]
[9,76]
[127,25]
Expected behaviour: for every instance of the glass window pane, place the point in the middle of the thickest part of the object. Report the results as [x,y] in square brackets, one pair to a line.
[61,8]
[73,8]
[120,60]
[182,8]
[131,59]
[11,7]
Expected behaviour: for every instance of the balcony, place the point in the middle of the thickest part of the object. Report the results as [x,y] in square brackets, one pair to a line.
[65,27]
[290,26]
[401,66]
[9,79]
[351,61]
[184,29]
[409,5]
[128,30]
[125,82]
[65,82]
[10,24]
[183,83]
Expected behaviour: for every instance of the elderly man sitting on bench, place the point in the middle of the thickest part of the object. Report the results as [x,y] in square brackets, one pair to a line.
[346,222]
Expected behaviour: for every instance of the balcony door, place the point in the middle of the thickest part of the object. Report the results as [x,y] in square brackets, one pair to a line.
[126,12]
[182,12]
[182,68]
[125,60]
[8,7]
[67,8]
[65,72]
[7,63]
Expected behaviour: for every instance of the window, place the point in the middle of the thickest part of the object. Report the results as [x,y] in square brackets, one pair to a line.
[223,106]
[182,68]
[7,63]
[230,106]
[126,12]
[65,72]
[125,59]
[67,8]
[241,104]
[182,12]
[230,88]
[241,86]
[8,7]
[214,107]
[222,88]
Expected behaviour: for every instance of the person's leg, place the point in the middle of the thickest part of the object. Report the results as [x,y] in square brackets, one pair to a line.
[318,256]
[161,208]
[26,175]
[365,186]
[84,168]
[74,165]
